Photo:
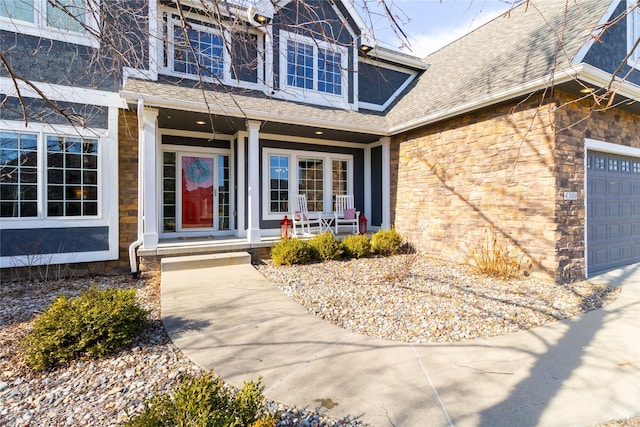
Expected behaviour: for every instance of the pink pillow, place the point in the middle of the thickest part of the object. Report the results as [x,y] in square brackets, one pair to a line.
[349,214]
[299,215]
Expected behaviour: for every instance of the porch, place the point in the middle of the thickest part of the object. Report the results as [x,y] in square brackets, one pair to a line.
[150,258]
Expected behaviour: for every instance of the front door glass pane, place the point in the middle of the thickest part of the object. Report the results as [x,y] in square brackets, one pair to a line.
[224,197]
[197,192]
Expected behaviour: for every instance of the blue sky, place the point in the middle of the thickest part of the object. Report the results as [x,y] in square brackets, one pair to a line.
[430,24]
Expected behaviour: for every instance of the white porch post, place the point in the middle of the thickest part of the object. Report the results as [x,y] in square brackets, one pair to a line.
[147,132]
[253,187]
[386,182]
[367,183]
[241,186]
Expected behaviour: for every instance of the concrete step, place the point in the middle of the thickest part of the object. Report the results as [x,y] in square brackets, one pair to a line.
[204,261]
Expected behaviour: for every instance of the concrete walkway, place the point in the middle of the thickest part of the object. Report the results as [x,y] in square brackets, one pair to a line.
[577,372]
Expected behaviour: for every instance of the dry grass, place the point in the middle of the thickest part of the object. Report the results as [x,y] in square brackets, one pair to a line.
[494,258]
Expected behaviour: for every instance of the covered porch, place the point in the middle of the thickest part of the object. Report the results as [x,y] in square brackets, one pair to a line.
[223,182]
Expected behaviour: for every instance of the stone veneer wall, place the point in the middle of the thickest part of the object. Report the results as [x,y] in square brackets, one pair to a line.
[576,121]
[493,170]
[127,192]
[504,168]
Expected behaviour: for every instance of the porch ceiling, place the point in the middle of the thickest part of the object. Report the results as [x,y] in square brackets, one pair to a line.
[227,110]
[188,121]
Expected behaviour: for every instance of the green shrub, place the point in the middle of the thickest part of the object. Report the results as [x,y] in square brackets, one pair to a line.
[290,251]
[206,401]
[96,323]
[356,246]
[325,247]
[386,242]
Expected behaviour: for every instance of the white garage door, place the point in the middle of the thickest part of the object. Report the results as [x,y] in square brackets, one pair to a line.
[613,211]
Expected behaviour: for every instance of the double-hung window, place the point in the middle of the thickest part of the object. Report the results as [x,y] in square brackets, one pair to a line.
[633,32]
[65,20]
[319,176]
[69,188]
[315,70]
[197,51]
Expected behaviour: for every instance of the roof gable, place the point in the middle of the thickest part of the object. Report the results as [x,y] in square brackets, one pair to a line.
[522,47]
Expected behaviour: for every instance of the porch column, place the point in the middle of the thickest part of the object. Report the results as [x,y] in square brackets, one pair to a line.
[147,132]
[367,183]
[386,182]
[240,186]
[253,181]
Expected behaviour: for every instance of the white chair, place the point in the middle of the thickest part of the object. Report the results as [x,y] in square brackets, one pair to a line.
[346,214]
[302,218]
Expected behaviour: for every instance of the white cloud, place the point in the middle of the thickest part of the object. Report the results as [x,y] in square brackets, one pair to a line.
[426,43]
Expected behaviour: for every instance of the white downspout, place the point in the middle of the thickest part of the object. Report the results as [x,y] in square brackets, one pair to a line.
[133,262]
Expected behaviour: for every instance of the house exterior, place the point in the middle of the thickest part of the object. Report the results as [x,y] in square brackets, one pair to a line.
[202,121]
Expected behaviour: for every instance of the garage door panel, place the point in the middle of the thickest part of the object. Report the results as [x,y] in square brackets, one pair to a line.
[613,210]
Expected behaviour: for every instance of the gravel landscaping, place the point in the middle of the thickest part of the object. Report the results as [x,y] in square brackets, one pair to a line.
[417,299]
[405,298]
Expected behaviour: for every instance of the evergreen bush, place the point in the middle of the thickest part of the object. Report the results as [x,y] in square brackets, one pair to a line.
[96,323]
[290,251]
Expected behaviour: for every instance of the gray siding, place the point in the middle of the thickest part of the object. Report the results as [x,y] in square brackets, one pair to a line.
[378,84]
[244,57]
[40,111]
[195,142]
[43,241]
[610,51]
[58,63]
[376,187]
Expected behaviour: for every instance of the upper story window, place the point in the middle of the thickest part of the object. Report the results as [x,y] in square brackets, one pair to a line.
[198,51]
[64,20]
[633,25]
[312,69]
[211,51]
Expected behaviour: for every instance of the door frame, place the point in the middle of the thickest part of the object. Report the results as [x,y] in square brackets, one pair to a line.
[189,150]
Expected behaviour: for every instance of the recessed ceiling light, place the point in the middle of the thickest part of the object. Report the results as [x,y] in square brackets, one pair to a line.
[201,122]
[587,90]
[319,132]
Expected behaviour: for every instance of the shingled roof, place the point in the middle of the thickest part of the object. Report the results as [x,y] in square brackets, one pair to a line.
[526,45]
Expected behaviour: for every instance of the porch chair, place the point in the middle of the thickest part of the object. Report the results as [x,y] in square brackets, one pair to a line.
[346,214]
[302,218]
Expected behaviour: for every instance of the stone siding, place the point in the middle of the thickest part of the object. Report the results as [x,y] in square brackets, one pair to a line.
[491,171]
[576,121]
[128,188]
[504,169]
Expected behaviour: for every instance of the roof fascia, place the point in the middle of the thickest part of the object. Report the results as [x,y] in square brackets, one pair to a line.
[584,72]
[397,58]
[595,34]
[249,114]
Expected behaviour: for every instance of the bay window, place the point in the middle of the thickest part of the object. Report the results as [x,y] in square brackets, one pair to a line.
[319,176]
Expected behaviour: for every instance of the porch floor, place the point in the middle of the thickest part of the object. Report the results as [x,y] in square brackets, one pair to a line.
[211,244]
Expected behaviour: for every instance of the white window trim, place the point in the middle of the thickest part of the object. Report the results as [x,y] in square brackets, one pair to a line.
[227,79]
[633,32]
[107,193]
[294,93]
[39,27]
[42,219]
[294,155]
